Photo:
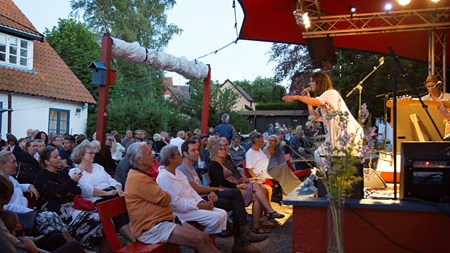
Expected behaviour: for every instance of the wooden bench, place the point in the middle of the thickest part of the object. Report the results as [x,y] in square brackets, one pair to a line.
[115,207]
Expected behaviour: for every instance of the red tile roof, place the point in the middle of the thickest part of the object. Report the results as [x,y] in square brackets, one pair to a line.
[51,77]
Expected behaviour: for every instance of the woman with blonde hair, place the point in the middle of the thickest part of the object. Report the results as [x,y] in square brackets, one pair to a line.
[97,185]
[223,177]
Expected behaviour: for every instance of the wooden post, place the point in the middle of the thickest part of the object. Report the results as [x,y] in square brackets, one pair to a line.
[205,101]
[103,91]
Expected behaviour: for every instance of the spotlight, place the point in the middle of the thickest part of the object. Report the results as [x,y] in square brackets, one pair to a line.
[403,2]
[435,1]
[388,7]
[306,20]
[351,9]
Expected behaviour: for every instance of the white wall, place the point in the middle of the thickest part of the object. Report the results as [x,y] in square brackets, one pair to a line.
[33,112]
[242,101]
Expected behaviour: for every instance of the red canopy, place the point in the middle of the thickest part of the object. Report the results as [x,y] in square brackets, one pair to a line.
[273,20]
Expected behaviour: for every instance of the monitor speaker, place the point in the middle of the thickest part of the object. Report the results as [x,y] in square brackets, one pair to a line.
[321,50]
[425,172]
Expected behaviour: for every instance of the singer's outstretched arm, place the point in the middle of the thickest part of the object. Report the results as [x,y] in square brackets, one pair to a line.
[307,100]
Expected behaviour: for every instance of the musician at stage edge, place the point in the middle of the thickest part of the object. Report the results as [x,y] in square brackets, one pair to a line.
[434,86]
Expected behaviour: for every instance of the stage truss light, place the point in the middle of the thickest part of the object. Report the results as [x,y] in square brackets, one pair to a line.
[388,7]
[403,2]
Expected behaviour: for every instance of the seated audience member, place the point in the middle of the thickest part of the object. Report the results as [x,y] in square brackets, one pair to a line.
[104,159]
[151,216]
[18,203]
[278,168]
[41,135]
[9,223]
[229,199]
[158,143]
[66,150]
[260,196]
[178,140]
[28,166]
[300,149]
[13,144]
[97,185]
[122,171]
[41,145]
[236,151]
[56,142]
[256,163]
[57,191]
[185,202]
[117,150]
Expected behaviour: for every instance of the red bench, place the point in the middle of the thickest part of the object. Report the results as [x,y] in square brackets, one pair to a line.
[115,207]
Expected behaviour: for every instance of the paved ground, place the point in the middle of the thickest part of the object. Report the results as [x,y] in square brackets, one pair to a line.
[279,241]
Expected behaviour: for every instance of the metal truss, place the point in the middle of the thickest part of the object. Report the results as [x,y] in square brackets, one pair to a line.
[379,22]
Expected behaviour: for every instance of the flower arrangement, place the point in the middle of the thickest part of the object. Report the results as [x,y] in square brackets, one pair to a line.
[338,170]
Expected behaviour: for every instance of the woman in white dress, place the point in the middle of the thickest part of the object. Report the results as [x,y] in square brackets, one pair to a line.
[328,101]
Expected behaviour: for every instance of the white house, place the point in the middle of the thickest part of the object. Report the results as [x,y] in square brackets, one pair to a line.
[37,89]
[245,101]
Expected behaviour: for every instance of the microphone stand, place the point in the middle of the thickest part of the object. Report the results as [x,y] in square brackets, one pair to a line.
[359,87]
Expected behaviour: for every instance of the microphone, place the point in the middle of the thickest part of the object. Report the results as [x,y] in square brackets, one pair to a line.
[381,60]
[437,84]
[305,91]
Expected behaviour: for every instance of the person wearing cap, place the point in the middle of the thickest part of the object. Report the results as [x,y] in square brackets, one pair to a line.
[434,86]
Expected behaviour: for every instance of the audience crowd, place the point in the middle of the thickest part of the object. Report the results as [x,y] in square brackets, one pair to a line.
[179,190]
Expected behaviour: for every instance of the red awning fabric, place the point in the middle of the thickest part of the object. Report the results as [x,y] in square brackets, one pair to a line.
[273,20]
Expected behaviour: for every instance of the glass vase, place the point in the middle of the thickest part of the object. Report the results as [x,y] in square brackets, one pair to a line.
[335,224]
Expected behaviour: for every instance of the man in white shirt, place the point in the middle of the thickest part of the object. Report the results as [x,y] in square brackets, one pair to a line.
[185,201]
[178,141]
[434,86]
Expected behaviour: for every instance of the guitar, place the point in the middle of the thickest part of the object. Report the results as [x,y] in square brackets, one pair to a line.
[415,121]
[447,130]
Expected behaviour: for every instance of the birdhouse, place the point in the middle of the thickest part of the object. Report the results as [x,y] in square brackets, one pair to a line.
[99,73]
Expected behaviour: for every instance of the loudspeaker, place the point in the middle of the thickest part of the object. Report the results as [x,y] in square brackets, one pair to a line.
[321,50]
[425,171]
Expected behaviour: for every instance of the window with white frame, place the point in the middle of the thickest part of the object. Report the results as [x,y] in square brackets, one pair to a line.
[16,52]
[58,121]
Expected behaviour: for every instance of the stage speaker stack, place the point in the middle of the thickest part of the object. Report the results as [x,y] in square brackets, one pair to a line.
[321,50]
[425,171]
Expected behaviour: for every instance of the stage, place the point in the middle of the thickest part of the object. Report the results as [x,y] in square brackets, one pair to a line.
[372,225]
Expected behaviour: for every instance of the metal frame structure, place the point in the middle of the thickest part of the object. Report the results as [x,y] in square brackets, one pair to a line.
[434,20]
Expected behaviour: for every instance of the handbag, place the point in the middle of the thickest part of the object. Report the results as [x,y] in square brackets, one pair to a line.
[82,204]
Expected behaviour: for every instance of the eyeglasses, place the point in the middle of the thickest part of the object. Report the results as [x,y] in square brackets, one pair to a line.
[429,86]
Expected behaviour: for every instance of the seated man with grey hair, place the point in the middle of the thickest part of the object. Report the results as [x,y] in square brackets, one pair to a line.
[185,201]
[151,216]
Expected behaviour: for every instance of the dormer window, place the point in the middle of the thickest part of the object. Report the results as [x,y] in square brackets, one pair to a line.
[16,52]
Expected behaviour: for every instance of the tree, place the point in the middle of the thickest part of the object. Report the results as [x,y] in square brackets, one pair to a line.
[221,101]
[263,89]
[77,46]
[144,21]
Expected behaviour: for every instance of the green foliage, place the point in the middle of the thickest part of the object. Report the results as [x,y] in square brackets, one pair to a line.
[221,101]
[144,21]
[277,106]
[144,113]
[263,89]
[77,46]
